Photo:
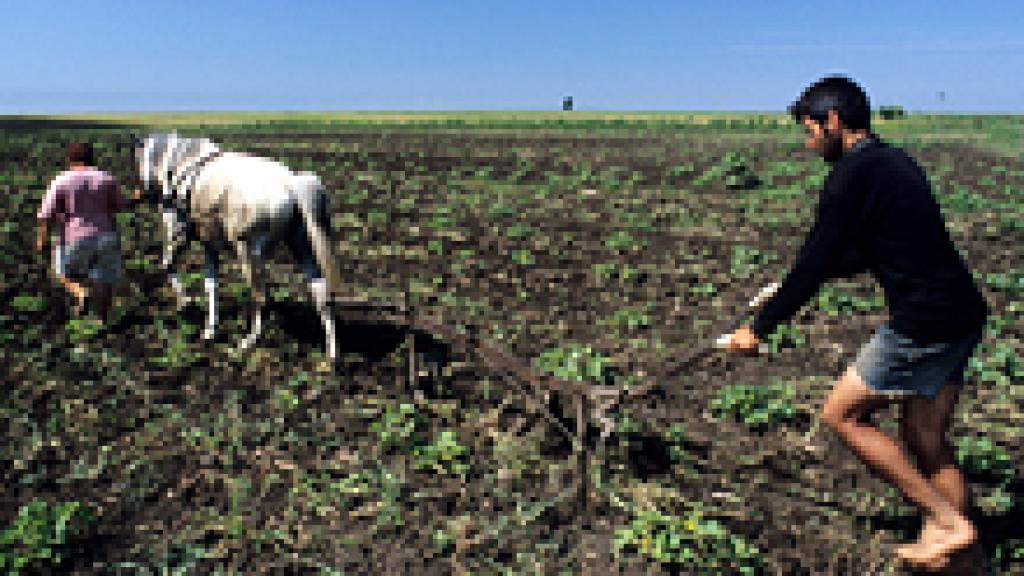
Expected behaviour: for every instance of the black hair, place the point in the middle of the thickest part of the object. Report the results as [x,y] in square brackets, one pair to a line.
[81,153]
[837,93]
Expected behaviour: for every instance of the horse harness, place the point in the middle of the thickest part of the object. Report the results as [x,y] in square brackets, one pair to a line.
[183,181]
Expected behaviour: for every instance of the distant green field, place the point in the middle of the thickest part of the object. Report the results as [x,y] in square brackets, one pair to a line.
[1003,133]
[457,118]
[525,119]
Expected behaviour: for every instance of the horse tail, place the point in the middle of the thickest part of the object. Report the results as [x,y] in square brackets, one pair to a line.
[308,193]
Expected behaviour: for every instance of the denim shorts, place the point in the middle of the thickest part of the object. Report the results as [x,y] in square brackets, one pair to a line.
[95,257]
[894,364]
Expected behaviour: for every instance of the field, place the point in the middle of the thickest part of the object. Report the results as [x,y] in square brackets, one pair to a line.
[573,241]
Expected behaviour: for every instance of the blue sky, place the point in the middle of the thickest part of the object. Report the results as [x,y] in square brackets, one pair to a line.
[107,55]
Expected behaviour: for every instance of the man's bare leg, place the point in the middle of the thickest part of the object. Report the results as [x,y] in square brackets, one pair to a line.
[845,412]
[923,427]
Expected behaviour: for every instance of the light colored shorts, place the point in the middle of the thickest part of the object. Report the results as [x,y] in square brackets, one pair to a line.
[891,363]
[95,257]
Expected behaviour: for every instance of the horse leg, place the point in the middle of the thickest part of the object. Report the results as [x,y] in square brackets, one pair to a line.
[252,268]
[173,244]
[211,290]
[318,289]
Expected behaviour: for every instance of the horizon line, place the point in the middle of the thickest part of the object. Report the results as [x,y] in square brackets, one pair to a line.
[625,111]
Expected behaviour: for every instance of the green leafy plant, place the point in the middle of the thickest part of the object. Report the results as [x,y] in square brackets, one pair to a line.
[193,281]
[398,427]
[177,353]
[746,259]
[42,535]
[639,222]
[622,240]
[523,257]
[625,424]
[374,487]
[981,456]
[518,230]
[785,336]
[1010,222]
[757,406]
[1011,280]
[675,438]
[576,362]
[443,217]
[8,333]
[961,200]
[501,209]
[628,319]
[612,177]
[997,363]
[444,455]
[286,399]
[680,171]
[839,301]
[141,263]
[732,171]
[998,324]
[28,303]
[613,270]
[443,541]
[181,559]
[435,247]
[1007,553]
[82,329]
[124,219]
[238,290]
[692,543]
[705,289]
[376,217]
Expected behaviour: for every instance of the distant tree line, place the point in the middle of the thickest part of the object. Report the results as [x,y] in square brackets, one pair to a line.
[891,112]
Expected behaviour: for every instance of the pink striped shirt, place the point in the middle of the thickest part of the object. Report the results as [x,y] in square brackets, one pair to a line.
[86,200]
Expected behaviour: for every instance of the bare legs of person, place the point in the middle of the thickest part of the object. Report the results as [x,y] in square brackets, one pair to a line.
[946,529]
[923,428]
[102,295]
[77,291]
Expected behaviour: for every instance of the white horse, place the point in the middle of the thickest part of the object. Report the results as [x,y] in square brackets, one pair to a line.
[248,202]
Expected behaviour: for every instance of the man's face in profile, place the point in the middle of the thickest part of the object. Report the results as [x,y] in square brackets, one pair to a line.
[827,143]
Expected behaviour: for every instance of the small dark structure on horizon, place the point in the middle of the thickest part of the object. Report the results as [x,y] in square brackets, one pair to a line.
[567,104]
[891,112]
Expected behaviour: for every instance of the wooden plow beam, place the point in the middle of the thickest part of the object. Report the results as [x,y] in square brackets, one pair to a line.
[591,403]
[530,382]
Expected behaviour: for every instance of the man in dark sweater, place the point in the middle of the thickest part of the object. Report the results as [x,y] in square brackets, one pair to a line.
[877,213]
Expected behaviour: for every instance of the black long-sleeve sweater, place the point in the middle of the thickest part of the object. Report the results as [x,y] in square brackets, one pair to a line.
[877,213]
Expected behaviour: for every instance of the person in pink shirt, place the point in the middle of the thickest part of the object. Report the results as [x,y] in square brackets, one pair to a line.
[87,258]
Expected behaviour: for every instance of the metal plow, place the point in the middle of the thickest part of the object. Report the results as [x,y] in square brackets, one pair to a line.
[590,403]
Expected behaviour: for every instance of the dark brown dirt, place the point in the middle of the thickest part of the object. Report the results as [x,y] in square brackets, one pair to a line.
[791,489]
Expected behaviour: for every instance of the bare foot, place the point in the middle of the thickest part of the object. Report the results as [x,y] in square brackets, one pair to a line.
[938,539]
[78,301]
[77,306]
[913,553]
